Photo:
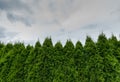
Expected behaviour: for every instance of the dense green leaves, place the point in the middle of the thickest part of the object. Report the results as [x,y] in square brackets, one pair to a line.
[94,62]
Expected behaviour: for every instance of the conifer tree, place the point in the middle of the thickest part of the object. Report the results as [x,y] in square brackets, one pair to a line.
[58,62]
[15,73]
[1,45]
[89,53]
[5,63]
[47,64]
[111,71]
[114,45]
[33,70]
[69,70]
[26,53]
[79,60]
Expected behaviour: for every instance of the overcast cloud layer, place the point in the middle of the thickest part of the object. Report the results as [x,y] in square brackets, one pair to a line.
[30,20]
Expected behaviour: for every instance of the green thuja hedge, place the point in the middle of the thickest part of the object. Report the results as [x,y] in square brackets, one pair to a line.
[94,62]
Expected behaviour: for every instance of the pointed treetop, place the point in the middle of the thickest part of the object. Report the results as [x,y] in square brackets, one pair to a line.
[102,38]
[58,45]
[78,45]
[88,39]
[9,45]
[48,42]
[29,47]
[69,45]
[113,38]
[37,44]
[19,44]
[1,45]
[89,42]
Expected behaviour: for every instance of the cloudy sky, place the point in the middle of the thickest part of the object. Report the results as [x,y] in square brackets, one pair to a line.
[30,20]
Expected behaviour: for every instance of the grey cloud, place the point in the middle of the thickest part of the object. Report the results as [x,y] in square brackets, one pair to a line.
[12,34]
[9,5]
[53,6]
[91,26]
[95,26]
[6,34]
[2,32]
[59,8]
[14,18]
[50,21]
[62,30]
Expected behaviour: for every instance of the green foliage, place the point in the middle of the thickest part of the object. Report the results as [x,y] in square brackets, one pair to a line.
[93,62]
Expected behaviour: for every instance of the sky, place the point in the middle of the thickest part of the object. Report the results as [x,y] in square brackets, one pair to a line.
[31,20]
